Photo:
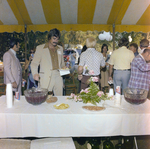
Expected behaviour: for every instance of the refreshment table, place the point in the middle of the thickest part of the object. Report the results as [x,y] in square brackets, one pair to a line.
[26,120]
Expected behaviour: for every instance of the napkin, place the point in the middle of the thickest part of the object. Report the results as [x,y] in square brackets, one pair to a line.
[9,95]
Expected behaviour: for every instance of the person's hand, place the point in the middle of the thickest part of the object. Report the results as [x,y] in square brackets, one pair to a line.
[80,77]
[14,85]
[74,55]
[106,64]
[30,58]
[36,77]
[110,79]
[64,67]
[23,80]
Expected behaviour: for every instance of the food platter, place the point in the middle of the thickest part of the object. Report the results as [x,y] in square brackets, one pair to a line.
[51,100]
[93,108]
[61,106]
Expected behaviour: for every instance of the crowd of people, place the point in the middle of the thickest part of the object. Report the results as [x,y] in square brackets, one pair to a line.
[126,66]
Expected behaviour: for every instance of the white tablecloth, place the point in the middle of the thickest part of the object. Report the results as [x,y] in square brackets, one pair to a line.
[26,120]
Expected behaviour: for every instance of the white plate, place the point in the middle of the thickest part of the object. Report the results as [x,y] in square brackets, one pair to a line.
[64,69]
[64,72]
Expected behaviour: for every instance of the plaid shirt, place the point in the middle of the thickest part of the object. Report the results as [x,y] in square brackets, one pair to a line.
[93,60]
[140,73]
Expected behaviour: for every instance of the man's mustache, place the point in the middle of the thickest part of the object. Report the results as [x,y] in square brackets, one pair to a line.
[55,42]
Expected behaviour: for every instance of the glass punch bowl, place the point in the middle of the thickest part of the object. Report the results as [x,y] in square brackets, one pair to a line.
[36,96]
[135,96]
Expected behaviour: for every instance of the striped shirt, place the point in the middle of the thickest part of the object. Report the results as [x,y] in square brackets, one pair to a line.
[93,60]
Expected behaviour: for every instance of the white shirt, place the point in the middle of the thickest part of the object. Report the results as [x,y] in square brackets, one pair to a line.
[77,56]
[93,60]
[14,52]
[141,50]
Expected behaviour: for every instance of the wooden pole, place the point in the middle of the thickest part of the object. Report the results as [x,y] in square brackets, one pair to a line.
[25,40]
[113,37]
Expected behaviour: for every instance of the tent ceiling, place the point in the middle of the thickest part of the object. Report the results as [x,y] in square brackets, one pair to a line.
[42,15]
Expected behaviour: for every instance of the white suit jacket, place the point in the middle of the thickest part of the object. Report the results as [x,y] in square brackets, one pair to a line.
[12,69]
[42,57]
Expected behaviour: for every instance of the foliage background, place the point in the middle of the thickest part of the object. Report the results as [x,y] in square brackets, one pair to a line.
[71,38]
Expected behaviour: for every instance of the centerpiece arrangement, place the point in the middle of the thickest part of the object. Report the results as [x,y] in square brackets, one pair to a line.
[92,94]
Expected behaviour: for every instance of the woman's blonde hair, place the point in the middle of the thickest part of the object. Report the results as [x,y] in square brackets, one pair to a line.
[90,42]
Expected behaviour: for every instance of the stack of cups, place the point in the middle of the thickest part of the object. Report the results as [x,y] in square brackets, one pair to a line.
[9,95]
[111,92]
[118,96]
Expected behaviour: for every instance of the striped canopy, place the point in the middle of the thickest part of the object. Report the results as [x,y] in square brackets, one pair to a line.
[43,15]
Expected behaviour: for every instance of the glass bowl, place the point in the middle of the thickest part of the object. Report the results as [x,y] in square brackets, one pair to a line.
[36,96]
[135,96]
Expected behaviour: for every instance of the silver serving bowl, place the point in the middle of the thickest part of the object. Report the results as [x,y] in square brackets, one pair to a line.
[36,96]
[135,96]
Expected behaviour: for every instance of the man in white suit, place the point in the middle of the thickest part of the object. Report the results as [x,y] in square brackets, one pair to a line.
[12,67]
[50,58]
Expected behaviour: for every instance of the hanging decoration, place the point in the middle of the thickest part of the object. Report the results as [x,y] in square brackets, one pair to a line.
[130,38]
[105,36]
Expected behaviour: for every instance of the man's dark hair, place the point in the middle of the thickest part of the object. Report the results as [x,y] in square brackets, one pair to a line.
[104,45]
[144,43]
[13,42]
[134,45]
[123,42]
[53,32]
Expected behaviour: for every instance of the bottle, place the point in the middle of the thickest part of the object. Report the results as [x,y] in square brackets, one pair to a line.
[81,140]
[23,87]
[118,96]
[128,143]
[17,96]
[119,145]
[107,144]
[94,142]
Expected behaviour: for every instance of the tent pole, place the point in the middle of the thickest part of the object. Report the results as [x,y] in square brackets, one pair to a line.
[113,37]
[25,40]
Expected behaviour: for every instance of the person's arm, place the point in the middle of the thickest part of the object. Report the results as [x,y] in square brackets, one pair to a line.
[80,70]
[62,62]
[27,63]
[77,56]
[110,71]
[74,55]
[7,60]
[143,66]
[35,63]
[7,68]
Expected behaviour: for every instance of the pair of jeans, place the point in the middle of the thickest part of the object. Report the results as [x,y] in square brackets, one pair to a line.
[121,78]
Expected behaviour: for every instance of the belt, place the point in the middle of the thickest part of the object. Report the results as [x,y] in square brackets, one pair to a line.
[123,69]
